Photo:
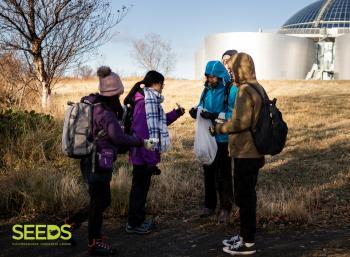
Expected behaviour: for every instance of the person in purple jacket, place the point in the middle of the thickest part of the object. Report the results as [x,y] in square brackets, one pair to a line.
[149,121]
[105,118]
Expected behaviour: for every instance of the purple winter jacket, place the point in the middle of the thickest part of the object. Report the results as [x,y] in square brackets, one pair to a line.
[106,119]
[139,128]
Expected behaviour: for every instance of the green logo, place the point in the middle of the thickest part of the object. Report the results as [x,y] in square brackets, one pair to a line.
[31,232]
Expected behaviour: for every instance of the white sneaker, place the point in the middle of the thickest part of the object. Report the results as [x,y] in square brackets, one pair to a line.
[240,249]
[233,240]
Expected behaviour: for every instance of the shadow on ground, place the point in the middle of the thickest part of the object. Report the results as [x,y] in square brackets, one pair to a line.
[180,238]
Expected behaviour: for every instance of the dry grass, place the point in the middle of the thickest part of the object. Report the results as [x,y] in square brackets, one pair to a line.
[308,182]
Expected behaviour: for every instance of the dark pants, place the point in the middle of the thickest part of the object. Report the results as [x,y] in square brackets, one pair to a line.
[218,177]
[141,182]
[245,179]
[100,199]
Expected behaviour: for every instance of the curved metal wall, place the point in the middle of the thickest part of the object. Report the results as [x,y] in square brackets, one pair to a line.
[342,57]
[276,56]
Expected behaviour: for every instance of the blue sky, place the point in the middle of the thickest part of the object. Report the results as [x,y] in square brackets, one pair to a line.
[184,24]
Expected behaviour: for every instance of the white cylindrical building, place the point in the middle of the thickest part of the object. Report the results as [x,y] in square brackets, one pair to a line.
[342,58]
[276,56]
[313,43]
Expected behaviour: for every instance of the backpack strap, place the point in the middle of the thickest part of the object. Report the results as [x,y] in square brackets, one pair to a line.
[227,94]
[102,132]
[204,94]
[263,99]
[263,96]
[99,135]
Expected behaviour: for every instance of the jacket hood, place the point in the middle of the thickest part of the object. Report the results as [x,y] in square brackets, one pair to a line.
[244,69]
[217,69]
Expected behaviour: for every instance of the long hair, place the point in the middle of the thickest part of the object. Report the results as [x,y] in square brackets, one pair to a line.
[152,77]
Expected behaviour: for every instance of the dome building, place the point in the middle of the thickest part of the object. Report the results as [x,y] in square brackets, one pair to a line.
[313,44]
[331,17]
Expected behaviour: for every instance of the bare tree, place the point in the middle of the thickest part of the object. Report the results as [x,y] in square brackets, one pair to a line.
[84,71]
[54,35]
[152,53]
[15,80]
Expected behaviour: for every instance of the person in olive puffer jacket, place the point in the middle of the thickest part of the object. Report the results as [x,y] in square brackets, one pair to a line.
[247,159]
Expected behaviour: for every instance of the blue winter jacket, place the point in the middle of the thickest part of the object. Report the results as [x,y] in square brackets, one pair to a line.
[214,99]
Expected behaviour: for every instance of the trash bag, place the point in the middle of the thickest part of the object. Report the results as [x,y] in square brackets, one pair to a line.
[205,146]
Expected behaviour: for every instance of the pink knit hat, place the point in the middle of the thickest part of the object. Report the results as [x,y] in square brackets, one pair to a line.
[110,83]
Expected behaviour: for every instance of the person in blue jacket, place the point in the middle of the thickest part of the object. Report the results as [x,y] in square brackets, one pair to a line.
[217,100]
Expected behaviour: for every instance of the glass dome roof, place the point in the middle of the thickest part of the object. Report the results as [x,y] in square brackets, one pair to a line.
[318,15]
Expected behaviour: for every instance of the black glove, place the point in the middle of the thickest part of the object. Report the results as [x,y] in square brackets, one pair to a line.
[180,111]
[212,131]
[209,115]
[193,112]
[154,170]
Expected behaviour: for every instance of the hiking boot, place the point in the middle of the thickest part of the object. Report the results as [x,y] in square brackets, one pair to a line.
[207,213]
[100,248]
[151,223]
[223,217]
[240,248]
[144,228]
[232,241]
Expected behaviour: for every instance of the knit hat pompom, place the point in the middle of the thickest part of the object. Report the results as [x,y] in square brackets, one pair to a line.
[104,71]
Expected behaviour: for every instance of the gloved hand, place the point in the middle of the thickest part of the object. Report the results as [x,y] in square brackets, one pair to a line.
[149,144]
[215,129]
[193,112]
[180,111]
[154,170]
[209,115]
[212,131]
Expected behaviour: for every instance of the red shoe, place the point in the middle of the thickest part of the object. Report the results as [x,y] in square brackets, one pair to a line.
[100,248]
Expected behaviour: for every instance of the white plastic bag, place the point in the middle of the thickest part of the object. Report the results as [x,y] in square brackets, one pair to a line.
[205,146]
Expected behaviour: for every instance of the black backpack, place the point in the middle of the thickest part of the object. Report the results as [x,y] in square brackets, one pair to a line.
[270,133]
[127,120]
[129,113]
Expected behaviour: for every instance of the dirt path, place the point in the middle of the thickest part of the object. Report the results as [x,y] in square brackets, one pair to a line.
[191,238]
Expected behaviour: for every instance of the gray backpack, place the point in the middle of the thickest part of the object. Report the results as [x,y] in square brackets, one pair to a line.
[77,138]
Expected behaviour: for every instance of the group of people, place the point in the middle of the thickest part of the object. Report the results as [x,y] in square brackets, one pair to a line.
[233,106]
[227,101]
